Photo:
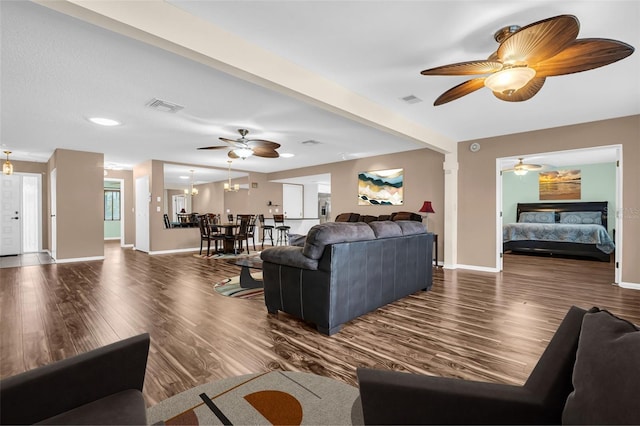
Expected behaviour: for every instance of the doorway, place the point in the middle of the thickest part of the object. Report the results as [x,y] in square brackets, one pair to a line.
[601,181]
[20,213]
[114,208]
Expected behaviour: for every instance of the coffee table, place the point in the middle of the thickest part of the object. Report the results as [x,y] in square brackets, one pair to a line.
[248,263]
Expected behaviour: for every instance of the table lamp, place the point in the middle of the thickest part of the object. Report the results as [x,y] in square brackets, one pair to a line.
[426,208]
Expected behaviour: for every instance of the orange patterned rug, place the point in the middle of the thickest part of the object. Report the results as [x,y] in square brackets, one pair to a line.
[276,397]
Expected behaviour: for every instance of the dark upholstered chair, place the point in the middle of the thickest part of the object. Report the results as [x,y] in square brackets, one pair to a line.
[406,216]
[605,373]
[367,218]
[103,386]
[348,217]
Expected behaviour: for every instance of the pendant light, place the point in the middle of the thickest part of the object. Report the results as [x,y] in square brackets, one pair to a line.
[7,167]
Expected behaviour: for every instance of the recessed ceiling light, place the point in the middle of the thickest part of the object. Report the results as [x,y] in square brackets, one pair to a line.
[287,155]
[184,177]
[104,121]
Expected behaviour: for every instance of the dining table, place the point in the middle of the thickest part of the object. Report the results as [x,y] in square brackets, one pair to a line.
[229,230]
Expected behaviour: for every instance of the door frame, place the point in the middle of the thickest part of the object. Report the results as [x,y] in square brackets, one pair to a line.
[122,210]
[617,215]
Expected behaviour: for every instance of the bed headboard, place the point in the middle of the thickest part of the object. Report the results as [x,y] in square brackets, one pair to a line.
[580,206]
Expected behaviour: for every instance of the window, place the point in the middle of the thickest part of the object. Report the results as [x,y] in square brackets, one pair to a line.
[111,204]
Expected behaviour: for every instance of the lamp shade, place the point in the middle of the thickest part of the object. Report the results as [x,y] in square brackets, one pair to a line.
[426,207]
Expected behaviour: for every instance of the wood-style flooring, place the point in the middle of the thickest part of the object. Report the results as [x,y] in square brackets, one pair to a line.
[473,325]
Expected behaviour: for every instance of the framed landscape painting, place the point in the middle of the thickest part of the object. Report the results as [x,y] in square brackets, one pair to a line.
[560,185]
[380,187]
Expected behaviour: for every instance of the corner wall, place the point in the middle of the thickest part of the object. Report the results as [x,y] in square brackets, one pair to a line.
[477,184]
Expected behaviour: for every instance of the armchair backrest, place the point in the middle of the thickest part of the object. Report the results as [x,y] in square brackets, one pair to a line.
[551,378]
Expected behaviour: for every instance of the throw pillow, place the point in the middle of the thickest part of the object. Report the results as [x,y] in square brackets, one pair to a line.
[587,218]
[606,374]
[537,217]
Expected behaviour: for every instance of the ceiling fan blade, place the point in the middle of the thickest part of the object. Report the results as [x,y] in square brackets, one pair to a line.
[214,147]
[524,93]
[265,153]
[232,154]
[583,55]
[231,141]
[465,68]
[539,41]
[459,91]
[259,143]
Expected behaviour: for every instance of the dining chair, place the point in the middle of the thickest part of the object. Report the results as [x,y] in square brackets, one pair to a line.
[251,232]
[241,235]
[283,230]
[265,229]
[230,218]
[205,233]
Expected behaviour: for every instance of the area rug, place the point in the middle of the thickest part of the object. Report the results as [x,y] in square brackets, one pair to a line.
[276,397]
[226,256]
[231,287]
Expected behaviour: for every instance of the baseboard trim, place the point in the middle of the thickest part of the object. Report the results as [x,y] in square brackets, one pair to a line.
[476,268]
[126,245]
[152,253]
[112,238]
[79,259]
[632,286]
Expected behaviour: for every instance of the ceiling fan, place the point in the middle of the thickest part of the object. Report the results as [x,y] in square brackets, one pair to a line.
[528,55]
[522,169]
[245,148]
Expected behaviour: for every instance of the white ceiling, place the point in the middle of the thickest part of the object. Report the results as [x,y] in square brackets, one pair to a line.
[57,71]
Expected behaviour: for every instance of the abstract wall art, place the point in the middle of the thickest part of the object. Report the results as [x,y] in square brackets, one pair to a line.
[381,187]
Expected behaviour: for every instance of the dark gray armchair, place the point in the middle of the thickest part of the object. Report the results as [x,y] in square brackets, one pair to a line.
[103,386]
[588,374]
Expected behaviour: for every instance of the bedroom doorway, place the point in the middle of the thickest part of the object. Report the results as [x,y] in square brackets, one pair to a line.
[601,177]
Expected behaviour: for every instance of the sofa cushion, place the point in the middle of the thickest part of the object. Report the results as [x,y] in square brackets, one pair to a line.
[411,227]
[335,232]
[606,374]
[122,408]
[386,229]
[289,256]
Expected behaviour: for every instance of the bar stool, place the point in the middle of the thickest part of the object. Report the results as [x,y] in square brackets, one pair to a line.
[283,230]
[266,229]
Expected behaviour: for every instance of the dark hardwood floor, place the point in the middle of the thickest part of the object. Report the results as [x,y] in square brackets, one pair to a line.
[473,325]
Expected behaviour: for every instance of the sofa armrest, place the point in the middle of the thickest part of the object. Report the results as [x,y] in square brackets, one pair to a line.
[289,256]
[390,397]
[46,391]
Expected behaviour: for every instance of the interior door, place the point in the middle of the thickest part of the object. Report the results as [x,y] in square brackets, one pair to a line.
[54,221]
[10,215]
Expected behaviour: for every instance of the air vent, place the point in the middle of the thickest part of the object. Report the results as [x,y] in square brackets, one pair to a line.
[310,142]
[411,99]
[160,105]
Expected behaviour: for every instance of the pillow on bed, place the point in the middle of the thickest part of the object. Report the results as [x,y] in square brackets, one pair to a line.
[537,217]
[587,218]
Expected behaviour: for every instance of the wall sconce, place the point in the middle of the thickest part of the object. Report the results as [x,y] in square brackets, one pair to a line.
[7,167]
[427,208]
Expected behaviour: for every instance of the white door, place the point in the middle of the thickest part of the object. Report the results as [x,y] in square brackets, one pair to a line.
[143,198]
[10,215]
[54,208]
[179,203]
[292,201]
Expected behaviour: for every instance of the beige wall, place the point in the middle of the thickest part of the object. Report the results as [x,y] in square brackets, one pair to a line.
[128,203]
[79,192]
[423,180]
[477,184]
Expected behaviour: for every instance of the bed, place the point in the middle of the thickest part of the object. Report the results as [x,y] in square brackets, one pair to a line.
[577,229]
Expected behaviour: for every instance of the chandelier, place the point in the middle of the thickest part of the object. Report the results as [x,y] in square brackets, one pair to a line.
[7,167]
[193,190]
[228,187]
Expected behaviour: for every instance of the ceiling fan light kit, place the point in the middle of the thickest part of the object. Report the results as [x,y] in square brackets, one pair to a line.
[509,80]
[527,56]
[244,148]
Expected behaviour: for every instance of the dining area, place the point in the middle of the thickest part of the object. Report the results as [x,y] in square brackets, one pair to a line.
[237,234]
